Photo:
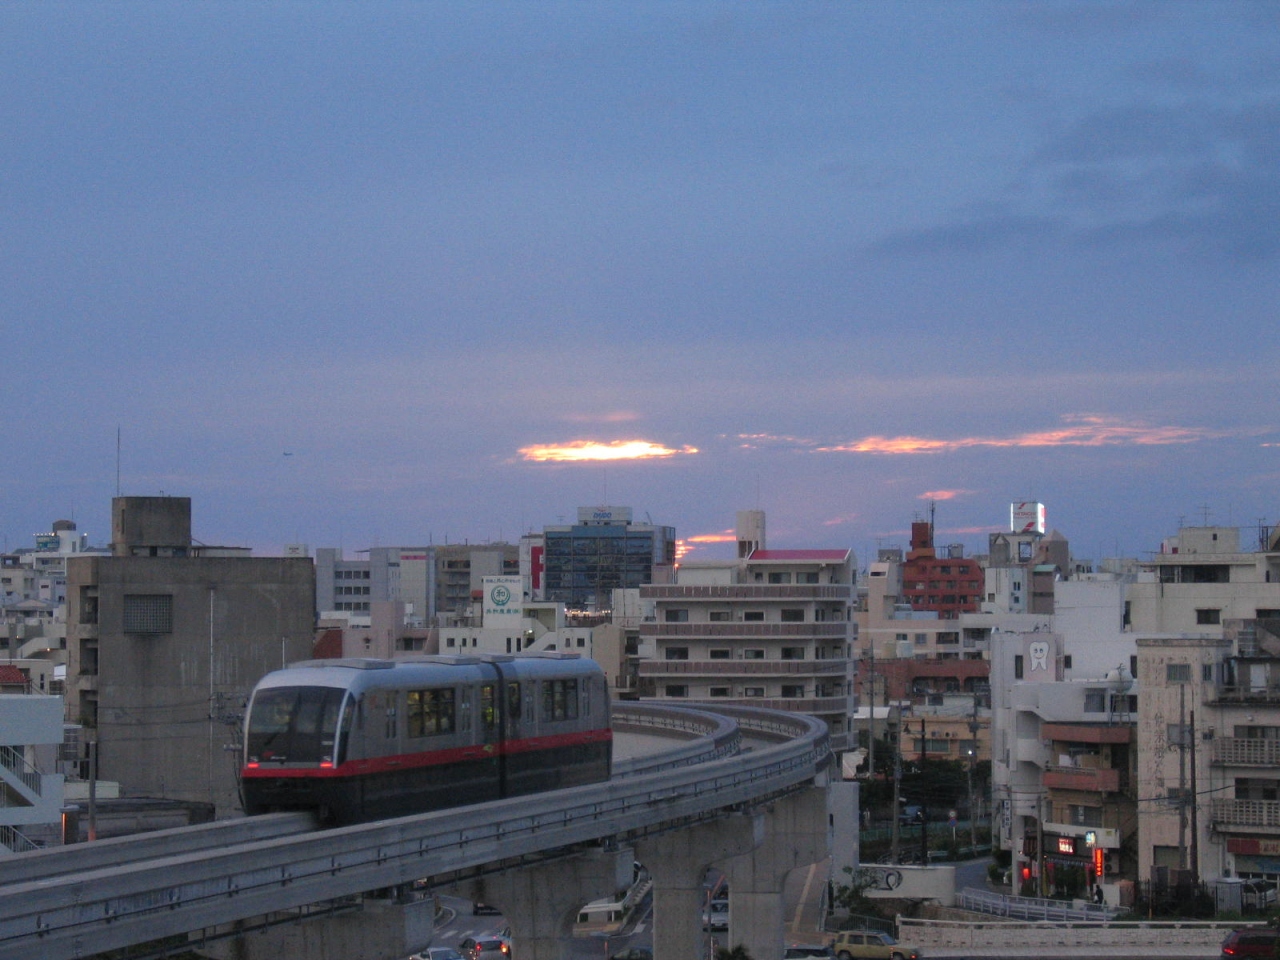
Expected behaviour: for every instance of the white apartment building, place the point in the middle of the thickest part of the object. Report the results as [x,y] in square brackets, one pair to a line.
[773,628]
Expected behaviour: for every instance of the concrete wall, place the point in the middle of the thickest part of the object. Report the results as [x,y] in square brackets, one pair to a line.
[166,725]
[1005,938]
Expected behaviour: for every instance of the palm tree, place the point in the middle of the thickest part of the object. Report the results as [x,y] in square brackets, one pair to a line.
[733,953]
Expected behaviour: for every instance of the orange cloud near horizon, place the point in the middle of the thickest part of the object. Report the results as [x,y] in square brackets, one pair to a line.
[1081,431]
[594,451]
[943,494]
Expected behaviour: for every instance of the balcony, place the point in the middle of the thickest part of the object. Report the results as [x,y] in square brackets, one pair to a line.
[1236,815]
[748,591]
[1240,752]
[1243,693]
[753,630]
[1088,732]
[1082,778]
[742,668]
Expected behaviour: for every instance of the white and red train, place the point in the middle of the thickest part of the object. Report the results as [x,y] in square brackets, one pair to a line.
[367,739]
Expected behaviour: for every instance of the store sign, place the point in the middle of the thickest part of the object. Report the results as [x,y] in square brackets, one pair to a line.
[1066,844]
[502,601]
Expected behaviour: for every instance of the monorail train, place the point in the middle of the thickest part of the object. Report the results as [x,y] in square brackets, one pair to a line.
[367,739]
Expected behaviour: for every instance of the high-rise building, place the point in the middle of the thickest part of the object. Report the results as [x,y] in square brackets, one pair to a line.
[606,550]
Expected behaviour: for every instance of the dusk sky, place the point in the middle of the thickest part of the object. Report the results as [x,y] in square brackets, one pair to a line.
[361,274]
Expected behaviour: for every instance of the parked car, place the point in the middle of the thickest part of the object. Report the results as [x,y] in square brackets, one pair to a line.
[437,953]
[485,948]
[1257,942]
[716,916]
[872,945]
[807,951]
[480,909]
[633,953]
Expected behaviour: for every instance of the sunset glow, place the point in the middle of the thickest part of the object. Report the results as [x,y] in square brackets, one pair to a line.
[943,494]
[1083,431]
[579,451]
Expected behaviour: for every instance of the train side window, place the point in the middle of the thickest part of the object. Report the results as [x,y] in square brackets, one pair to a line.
[560,700]
[431,712]
[488,708]
[513,700]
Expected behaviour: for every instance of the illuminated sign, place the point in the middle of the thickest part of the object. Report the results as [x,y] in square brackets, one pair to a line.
[1066,844]
[1091,837]
[1099,861]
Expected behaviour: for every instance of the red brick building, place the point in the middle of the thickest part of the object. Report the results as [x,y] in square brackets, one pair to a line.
[949,585]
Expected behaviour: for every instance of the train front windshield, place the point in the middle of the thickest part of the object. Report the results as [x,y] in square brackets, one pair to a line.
[294,725]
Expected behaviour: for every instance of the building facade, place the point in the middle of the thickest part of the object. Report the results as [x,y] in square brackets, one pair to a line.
[165,643]
[773,629]
[581,565]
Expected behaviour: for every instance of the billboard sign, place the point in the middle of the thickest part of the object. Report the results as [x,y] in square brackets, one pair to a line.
[502,602]
[1026,517]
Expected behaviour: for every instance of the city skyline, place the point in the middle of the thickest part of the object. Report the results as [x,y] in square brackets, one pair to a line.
[410,273]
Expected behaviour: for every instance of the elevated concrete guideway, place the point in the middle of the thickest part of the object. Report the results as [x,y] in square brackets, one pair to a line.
[761,807]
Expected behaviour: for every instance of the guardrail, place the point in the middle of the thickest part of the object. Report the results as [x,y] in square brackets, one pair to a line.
[715,736]
[117,906]
[1031,908]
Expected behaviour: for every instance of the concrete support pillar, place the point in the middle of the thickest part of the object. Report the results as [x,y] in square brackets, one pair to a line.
[795,834]
[541,901]
[678,861]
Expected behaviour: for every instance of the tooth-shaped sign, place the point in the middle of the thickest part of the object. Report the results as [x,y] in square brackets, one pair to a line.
[1039,651]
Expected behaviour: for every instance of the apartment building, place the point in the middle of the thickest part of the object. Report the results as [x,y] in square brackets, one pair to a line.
[771,628]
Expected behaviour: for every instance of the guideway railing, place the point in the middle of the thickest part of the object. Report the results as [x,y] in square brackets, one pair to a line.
[1032,908]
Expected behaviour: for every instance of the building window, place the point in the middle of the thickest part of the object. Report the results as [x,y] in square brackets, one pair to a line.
[720,654]
[1095,700]
[1206,672]
[793,653]
[1082,816]
[753,616]
[677,653]
[752,654]
[1209,615]
[720,692]
[1177,673]
[753,691]
[792,616]
[676,690]
[1017,666]
[807,576]
[148,613]
[1066,662]
[779,578]
[921,639]
[793,691]
[719,616]
[680,615]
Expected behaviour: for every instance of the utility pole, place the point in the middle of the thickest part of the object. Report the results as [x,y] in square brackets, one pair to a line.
[871,722]
[1195,815]
[924,809]
[1182,777]
[973,759]
[894,851]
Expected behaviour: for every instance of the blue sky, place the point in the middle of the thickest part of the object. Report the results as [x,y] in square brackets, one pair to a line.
[358,274]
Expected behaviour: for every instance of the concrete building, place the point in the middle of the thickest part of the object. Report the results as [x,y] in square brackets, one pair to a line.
[1064,765]
[773,628]
[435,584]
[165,641]
[30,783]
[581,565]
[948,585]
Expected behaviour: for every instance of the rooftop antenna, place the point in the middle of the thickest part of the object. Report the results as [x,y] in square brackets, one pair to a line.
[117,460]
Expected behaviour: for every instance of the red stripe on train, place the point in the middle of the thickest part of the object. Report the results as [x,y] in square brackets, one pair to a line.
[430,758]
